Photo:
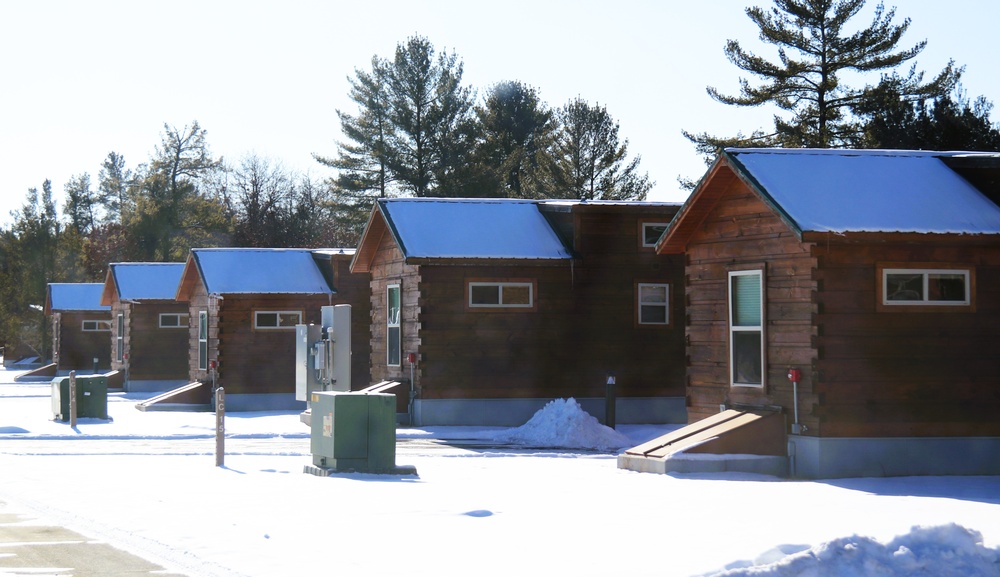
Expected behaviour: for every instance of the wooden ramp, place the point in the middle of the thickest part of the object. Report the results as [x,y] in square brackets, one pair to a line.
[195,396]
[41,373]
[733,440]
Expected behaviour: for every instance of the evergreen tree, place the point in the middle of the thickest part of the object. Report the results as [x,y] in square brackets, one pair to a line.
[948,122]
[430,113]
[113,183]
[517,133]
[591,158]
[172,213]
[79,204]
[32,260]
[362,171]
[815,50]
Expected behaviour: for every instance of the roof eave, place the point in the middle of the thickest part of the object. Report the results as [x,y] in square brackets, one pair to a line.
[371,237]
[743,174]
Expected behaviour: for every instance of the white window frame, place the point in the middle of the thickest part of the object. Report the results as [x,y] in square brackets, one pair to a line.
[120,337]
[501,285]
[735,330]
[202,340]
[642,233]
[279,325]
[181,319]
[393,326]
[95,326]
[640,303]
[926,274]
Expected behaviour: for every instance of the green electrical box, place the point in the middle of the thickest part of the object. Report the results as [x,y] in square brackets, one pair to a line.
[354,432]
[91,397]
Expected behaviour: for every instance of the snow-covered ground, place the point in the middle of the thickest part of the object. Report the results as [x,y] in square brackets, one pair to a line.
[480,505]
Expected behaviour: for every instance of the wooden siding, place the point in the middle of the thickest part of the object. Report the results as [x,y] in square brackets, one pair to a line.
[905,372]
[741,232]
[263,361]
[75,348]
[387,267]
[259,361]
[583,324]
[155,353]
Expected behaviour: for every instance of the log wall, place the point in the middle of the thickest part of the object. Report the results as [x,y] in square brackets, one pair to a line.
[742,232]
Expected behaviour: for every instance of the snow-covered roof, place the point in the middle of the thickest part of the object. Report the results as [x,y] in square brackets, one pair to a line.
[869,190]
[471,228]
[75,297]
[146,280]
[334,251]
[259,271]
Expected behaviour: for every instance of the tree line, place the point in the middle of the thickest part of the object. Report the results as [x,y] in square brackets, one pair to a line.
[819,108]
[417,130]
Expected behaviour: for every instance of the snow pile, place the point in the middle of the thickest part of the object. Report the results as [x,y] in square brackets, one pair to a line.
[563,423]
[943,551]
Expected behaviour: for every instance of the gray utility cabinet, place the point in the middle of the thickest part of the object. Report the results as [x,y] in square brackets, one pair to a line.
[353,431]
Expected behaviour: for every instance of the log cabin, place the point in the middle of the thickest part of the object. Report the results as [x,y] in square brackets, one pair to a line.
[81,327]
[244,304]
[857,293]
[488,309]
[149,330]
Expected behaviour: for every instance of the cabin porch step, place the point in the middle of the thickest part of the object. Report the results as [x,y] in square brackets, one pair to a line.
[732,441]
[170,400]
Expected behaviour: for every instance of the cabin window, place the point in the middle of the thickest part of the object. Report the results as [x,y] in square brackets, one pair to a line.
[746,328]
[926,288]
[173,321]
[96,326]
[281,320]
[501,294]
[393,329]
[651,232]
[203,340]
[120,337]
[654,303]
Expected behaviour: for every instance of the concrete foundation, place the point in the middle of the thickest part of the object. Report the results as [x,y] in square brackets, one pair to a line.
[830,458]
[516,412]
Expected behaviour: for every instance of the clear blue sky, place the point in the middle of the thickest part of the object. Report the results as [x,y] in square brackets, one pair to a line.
[84,78]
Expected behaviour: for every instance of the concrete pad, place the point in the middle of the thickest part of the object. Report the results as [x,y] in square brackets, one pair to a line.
[33,548]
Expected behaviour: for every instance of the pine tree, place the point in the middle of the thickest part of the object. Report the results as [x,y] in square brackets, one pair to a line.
[514,152]
[814,52]
[949,122]
[79,204]
[113,185]
[591,158]
[171,212]
[431,117]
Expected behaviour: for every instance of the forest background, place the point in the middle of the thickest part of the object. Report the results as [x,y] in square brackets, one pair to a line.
[415,127]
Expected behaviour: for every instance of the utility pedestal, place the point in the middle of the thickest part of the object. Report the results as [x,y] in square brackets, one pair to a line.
[354,432]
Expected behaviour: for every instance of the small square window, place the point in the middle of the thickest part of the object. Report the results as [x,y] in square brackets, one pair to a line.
[651,232]
[484,294]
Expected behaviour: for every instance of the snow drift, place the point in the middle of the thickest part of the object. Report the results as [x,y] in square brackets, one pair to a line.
[563,424]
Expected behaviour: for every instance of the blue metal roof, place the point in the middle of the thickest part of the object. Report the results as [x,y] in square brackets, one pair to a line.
[147,280]
[471,228]
[76,297]
[260,271]
[833,190]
